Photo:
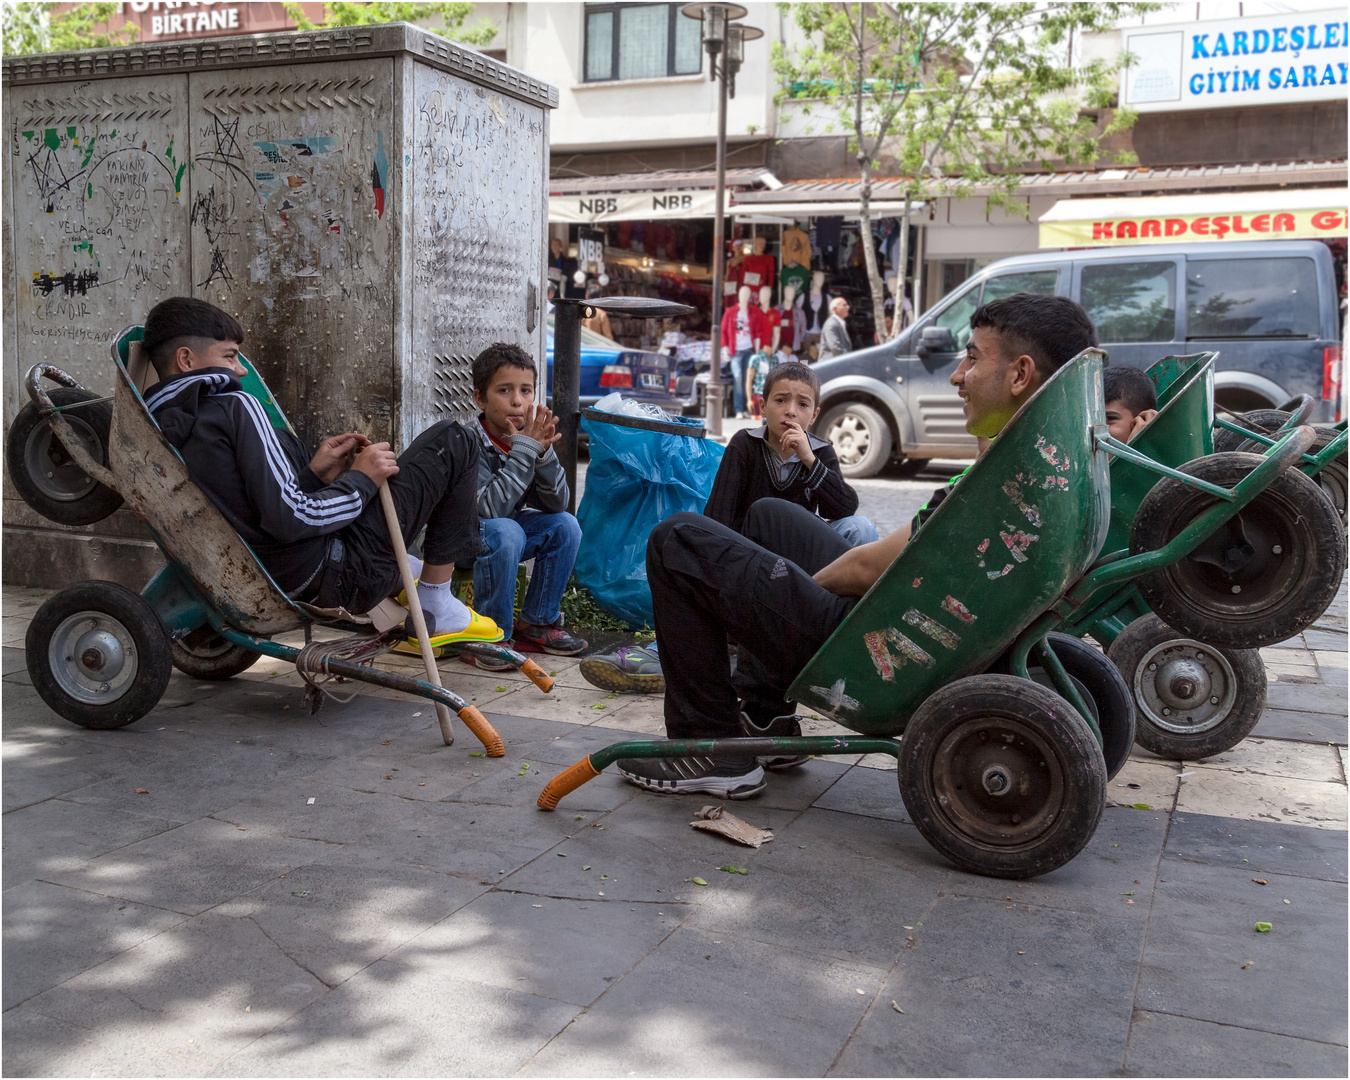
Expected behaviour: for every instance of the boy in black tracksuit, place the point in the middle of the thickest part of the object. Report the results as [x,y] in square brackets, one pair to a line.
[314,522]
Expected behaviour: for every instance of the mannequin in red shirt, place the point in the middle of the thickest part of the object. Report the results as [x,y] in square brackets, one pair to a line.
[743,331]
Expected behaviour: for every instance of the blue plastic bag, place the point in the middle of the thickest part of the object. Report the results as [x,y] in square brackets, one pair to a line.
[636,479]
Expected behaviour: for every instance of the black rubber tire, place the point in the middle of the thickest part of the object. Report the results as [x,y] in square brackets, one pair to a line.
[43,474]
[110,622]
[1263,577]
[1227,686]
[1333,477]
[204,654]
[1262,421]
[860,436]
[1104,691]
[990,730]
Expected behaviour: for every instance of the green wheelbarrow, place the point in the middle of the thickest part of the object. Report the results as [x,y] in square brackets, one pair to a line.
[1198,682]
[101,655]
[1002,772]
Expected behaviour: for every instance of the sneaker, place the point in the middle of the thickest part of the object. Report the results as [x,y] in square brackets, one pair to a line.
[725,777]
[780,727]
[489,663]
[550,639]
[627,670]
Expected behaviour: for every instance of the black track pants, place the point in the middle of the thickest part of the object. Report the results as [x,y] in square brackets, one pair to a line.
[436,486]
[708,582]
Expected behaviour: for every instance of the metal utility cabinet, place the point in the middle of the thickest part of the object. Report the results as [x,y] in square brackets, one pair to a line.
[369,202]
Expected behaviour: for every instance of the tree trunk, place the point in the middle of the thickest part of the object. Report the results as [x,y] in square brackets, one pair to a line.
[870,256]
[902,265]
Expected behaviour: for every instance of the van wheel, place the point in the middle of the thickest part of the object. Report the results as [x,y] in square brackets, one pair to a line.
[860,436]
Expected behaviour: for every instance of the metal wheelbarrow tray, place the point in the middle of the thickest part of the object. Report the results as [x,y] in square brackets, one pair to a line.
[1003,775]
[101,655]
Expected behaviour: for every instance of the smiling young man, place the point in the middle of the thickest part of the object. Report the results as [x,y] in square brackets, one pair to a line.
[782,600]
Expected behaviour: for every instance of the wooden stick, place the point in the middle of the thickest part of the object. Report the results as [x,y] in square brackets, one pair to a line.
[415,607]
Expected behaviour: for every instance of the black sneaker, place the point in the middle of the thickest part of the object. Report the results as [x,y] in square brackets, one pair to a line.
[780,727]
[725,777]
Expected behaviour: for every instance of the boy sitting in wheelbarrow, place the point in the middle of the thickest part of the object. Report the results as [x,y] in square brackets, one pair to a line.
[313,521]
[783,588]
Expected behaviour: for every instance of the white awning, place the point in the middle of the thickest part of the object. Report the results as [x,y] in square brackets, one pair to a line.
[632,206]
[799,210]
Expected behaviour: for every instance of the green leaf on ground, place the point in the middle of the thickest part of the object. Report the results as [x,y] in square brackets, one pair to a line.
[1140,806]
[733,869]
[1263,928]
[696,880]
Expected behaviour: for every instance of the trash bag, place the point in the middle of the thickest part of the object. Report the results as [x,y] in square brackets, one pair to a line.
[636,479]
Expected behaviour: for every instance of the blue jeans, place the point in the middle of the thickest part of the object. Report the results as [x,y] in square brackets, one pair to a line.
[738,362]
[551,540]
[855,529]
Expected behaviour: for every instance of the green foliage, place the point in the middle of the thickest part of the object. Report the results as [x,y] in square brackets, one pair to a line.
[341,13]
[37,27]
[581,611]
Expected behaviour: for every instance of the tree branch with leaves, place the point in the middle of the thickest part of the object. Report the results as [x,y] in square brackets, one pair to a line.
[39,27]
[957,94]
[342,13]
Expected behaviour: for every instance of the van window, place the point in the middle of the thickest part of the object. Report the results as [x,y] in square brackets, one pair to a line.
[1251,298]
[1131,301]
[1039,282]
[957,317]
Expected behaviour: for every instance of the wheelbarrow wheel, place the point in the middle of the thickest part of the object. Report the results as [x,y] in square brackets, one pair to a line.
[43,473]
[98,655]
[1103,689]
[1332,478]
[204,654]
[1262,577]
[1002,776]
[1192,699]
[1263,421]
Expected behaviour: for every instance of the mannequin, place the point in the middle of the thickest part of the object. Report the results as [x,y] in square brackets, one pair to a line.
[786,330]
[817,302]
[799,323]
[742,333]
[771,319]
[732,282]
[757,270]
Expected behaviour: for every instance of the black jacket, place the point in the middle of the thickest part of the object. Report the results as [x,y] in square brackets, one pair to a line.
[743,478]
[258,476]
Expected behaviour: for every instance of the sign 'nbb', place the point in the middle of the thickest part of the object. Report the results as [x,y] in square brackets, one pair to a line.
[631,206]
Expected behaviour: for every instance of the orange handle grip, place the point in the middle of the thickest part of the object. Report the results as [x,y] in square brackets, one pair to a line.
[565,782]
[536,675]
[484,732]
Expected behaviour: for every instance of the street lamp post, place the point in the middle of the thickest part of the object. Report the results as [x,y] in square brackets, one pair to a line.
[720,36]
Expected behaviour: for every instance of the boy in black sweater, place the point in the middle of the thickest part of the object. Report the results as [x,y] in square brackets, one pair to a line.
[783,460]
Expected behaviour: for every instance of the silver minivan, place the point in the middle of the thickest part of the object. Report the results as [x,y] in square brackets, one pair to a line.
[1269,308]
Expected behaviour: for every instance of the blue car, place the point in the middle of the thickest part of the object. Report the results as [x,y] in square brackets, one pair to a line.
[606,366]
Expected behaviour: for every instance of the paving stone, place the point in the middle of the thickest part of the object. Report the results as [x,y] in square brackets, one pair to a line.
[335,919]
[1325,640]
[1323,699]
[623,847]
[569,950]
[870,793]
[1152,782]
[191,868]
[1258,847]
[57,835]
[757,1010]
[1119,865]
[1162,1045]
[1201,933]
[835,884]
[974,1007]
[384,1023]
[50,766]
[52,933]
[183,994]
[1279,757]
[467,840]
[1220,793]
[508,783]
[1309,727]
[37,1045]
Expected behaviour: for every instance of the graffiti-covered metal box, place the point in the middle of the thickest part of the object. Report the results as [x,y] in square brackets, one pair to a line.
[370,202]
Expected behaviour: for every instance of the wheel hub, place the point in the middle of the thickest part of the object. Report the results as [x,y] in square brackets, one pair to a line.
[93,657]
[1184,686]
[52,469]
[996,780]
[850,439]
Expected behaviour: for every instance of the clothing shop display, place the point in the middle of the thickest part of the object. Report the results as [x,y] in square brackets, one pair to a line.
[757,270]
[796,248]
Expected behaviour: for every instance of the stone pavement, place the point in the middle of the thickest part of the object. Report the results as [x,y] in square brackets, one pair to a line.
[232,887]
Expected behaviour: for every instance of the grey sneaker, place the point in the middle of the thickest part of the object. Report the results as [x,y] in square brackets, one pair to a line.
[626,670]
[780,727]
[725,777]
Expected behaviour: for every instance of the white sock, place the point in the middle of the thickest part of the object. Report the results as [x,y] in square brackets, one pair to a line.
[416,565]
[444,612]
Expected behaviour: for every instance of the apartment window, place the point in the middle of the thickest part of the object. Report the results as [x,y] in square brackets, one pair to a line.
[641,41]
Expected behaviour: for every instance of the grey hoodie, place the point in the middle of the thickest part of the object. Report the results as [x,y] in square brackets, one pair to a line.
[508,482]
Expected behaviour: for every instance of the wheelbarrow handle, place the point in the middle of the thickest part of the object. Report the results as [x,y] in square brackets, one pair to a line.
[33,384]
[1302,407]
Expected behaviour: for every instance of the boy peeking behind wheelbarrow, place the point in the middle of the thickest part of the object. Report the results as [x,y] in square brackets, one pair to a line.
[782,589]
[314,520]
